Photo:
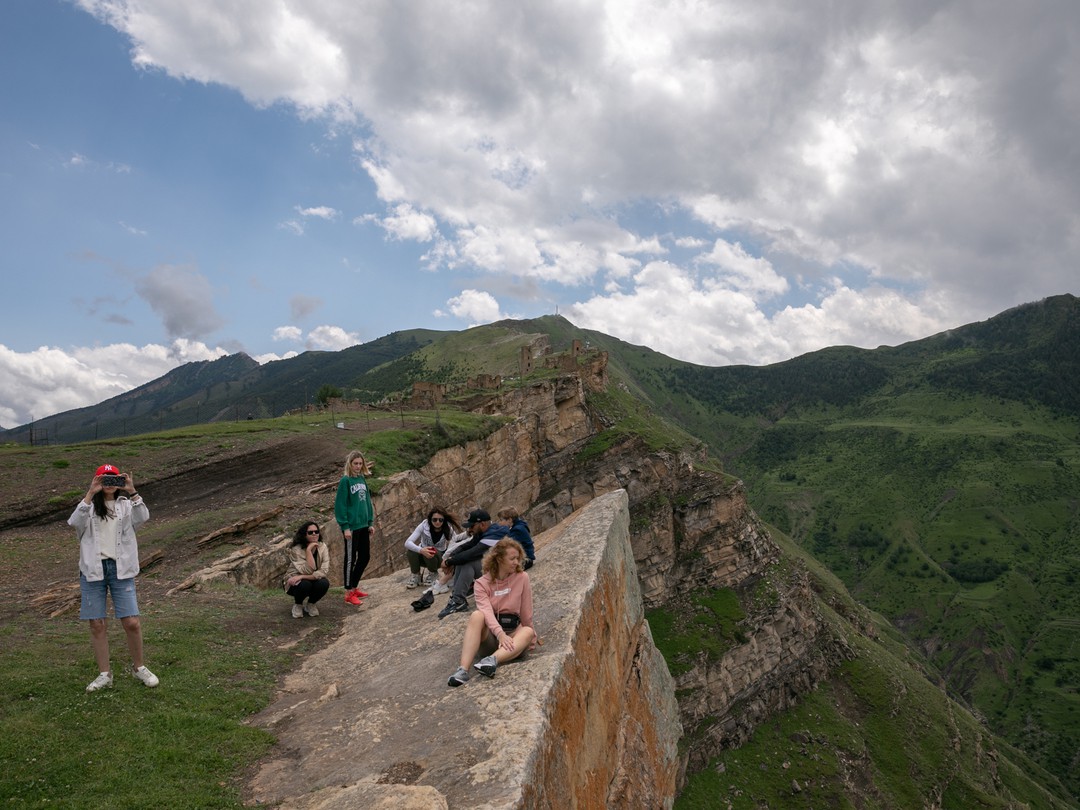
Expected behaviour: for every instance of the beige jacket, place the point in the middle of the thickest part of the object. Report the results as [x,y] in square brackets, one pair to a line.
[298,564]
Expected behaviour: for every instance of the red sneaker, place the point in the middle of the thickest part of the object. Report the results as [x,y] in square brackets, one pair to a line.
[352,598]
[361,594]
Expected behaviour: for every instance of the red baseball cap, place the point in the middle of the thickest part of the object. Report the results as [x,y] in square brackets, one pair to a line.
[107,469]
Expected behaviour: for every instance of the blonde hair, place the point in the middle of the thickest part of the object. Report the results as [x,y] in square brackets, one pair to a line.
[366,470]
[494,558]
[508,513]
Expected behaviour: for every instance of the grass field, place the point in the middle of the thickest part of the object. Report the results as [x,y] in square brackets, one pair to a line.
[183,744]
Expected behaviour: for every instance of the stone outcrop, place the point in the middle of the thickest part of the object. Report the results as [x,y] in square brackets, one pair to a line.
[693,531]
[586,720]
[787,652]
[264,566]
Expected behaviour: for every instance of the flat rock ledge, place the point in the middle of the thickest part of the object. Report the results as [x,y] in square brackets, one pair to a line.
[587,720]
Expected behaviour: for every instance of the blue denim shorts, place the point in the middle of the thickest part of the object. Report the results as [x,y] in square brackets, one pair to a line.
[93,594]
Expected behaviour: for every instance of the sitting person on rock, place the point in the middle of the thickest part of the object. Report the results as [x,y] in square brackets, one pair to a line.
[518,530]
[503,619]
[425,546]
[465,559]
[444,575]
[306,577]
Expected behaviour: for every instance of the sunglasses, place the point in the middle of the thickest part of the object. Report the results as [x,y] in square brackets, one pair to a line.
[436,520]
[312,531]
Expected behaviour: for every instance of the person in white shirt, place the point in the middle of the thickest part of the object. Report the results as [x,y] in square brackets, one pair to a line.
[105,521]
[427,543]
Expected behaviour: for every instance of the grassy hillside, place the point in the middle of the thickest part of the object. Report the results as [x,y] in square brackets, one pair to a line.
[963,531]
[878,733]
[939,481]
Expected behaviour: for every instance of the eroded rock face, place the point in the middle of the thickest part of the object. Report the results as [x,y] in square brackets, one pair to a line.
[586,720]
[499,471]
[787,651]
[693,530]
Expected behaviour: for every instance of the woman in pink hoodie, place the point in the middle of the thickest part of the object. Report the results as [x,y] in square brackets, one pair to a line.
[503,618]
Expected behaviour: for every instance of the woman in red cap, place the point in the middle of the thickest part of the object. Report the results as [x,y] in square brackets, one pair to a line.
[105,521]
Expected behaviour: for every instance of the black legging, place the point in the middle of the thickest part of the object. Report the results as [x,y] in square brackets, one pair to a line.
[311,589]
[357,556]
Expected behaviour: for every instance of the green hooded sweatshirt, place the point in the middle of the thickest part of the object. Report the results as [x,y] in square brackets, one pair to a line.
[352,504]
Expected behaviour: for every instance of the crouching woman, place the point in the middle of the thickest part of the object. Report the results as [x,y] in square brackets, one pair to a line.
[307,577]
[503,620]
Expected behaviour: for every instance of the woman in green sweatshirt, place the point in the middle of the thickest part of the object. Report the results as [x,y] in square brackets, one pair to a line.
[355,514]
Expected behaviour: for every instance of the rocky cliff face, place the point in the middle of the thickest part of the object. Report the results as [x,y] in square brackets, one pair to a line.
[690,529]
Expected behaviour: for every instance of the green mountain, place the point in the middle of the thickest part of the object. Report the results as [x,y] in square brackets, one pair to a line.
[939,481]
[229,388]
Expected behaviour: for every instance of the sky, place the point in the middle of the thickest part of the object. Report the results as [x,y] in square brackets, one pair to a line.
[724,182]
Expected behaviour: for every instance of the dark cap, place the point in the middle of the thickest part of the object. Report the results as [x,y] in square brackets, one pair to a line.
[477,516]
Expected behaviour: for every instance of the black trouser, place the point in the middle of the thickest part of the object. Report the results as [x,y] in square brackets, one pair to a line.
[416,560]
[357,556]
[311,589]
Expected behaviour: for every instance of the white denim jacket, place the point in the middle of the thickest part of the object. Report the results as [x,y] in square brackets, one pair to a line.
[131,513]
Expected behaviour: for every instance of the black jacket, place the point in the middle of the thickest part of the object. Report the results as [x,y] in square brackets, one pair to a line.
[477,547]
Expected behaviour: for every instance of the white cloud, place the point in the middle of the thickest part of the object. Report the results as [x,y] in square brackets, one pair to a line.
[743,272]
[473,306]
[80,161]
[320,212]
[405,222]
[132,229]
[288,333]
[718,324]
[270,357]
[331,338]
[321,338]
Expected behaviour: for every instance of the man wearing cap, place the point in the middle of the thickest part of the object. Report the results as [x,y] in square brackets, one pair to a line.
[466,558]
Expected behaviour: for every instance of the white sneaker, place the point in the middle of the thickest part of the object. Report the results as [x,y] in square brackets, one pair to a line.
[102,681]
[414,580]
[146,676]
[297,611]
[440,587]
[311,610]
